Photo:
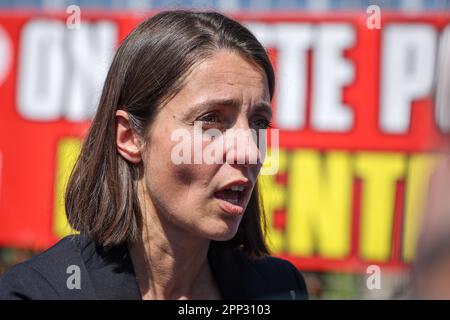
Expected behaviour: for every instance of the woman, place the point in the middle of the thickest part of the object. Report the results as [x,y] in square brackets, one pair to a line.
[153,227]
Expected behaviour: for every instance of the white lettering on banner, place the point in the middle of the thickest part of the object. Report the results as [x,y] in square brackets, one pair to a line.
[292,42]
[331,71]
[5,54]
[61,71]
[408,57]
[442,98]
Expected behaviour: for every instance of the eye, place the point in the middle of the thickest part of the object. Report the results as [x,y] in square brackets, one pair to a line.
[212,120]
[261,123]
[209,118]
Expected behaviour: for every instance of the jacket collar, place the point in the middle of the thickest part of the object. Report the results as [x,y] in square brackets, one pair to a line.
[112,274]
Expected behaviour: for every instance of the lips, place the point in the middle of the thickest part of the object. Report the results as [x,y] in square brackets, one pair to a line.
[232,196]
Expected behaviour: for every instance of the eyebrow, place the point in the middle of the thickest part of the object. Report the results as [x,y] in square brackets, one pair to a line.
[264,107]
[260,106]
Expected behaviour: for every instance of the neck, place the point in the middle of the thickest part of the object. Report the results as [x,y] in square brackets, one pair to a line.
[167,261]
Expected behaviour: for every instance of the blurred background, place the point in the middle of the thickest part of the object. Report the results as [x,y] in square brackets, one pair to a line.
[359,202]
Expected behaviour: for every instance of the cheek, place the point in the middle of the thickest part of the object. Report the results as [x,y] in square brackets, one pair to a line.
[185,181]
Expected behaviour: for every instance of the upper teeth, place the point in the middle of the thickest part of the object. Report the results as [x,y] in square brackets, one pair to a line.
[237,188]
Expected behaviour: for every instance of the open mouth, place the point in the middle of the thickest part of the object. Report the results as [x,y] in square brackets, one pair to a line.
[234,195]
[232,199]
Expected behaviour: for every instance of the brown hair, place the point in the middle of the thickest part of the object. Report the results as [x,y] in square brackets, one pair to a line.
[148,69]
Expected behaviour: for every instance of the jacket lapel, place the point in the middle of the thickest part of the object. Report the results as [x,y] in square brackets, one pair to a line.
[111,272]
[236,276]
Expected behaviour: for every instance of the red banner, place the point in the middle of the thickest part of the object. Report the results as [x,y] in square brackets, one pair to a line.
[359,130]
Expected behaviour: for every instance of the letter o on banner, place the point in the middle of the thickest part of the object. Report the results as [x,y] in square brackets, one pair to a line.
[5,54]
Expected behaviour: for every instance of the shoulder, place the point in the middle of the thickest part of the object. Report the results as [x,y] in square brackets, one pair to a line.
[24,282]
[281,275]
[45,275]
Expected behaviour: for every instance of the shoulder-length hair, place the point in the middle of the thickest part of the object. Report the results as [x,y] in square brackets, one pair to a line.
[148,69]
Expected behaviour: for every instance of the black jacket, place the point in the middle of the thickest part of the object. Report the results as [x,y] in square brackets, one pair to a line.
[107,273]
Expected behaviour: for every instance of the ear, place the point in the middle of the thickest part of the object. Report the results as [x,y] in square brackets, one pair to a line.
[127,140]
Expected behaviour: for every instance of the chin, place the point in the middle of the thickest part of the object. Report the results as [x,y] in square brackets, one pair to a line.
[223,237]
[223,232]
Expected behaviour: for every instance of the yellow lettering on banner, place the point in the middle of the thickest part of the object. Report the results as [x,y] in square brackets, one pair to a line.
[318,206]
[419,171]
[66,155]
[379,173]
[274,197]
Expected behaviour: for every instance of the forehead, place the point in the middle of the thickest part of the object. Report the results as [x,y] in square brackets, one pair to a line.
[225,75]
[226,67]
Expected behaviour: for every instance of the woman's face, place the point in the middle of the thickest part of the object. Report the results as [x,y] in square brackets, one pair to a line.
[205,198]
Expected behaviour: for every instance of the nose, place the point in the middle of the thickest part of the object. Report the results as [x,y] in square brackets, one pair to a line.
[241,146]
